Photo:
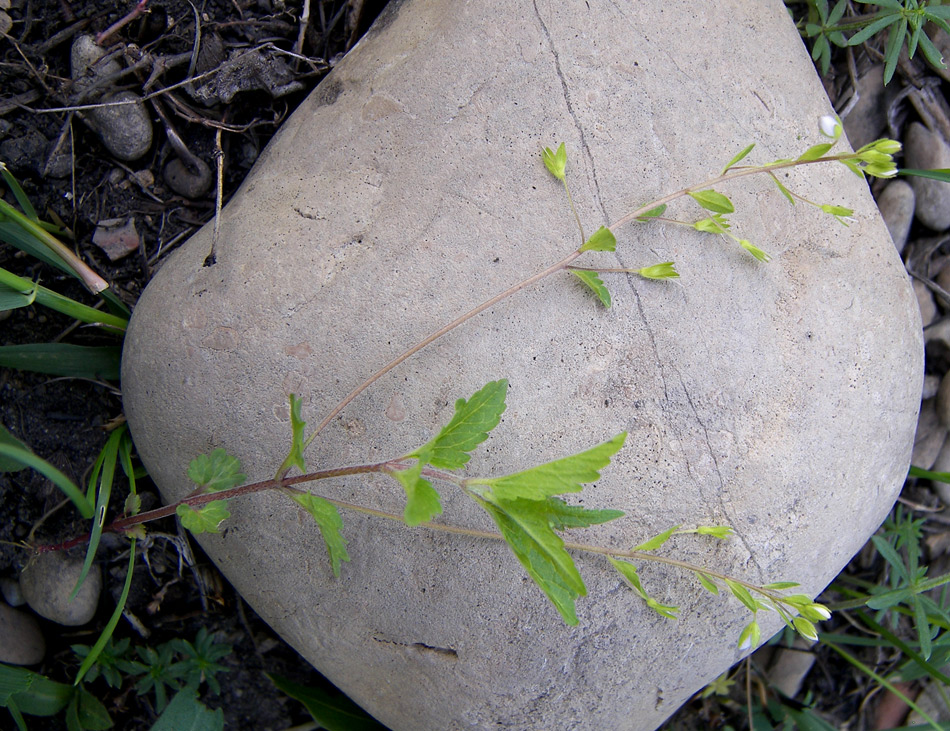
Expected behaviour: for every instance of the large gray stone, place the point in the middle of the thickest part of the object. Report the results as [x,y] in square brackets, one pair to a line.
[780,399]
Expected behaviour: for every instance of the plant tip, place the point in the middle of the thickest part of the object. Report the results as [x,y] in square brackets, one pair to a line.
[830,126]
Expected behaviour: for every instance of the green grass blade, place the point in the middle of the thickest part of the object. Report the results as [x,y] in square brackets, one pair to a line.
[941,174]
[21,197]
[28,459]
[112,623]
[64,359]
[66,305]
[103,472]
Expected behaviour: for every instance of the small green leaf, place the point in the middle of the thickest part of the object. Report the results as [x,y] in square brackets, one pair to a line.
[330,523]
[629,572]
[707,583]
[780,585]
[715,224]
[553,478]
[655,212]
[713,201]
[755,251]
[815,151]
[555,162]
[659,271]
[785,191]
[422,501]
[205,520]
[722,532]
[216,471]
[297,426]
[657,540]
[742,594]
[33,694]
[739,156]
[595,283]
[132,505]
[601,240]
[469,427]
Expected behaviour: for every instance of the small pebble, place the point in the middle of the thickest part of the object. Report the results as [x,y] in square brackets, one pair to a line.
[48,580]
[21,640]
[125,129]
[939,332]
[924,149]
[117,237]
[11,592]
[925,300]
[931,385]
[929,438]
[896,203]
[789,668]
[942,402]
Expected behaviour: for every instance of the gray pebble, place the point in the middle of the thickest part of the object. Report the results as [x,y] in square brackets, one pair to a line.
[925,300]
[925,149]
[48,580]
[896,203]
[929,438]
[939,332]
[21,641]
[942,402]
[125,129]
[931,385]
[11,592]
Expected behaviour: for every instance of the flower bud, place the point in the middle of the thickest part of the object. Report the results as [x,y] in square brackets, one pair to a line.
[830,126]
[660,271]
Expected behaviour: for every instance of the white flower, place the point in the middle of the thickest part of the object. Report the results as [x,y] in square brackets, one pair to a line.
[830,126]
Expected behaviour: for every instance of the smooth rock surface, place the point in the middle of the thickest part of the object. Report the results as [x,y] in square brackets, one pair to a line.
[21,640]
[48,580]
[923,150]
[409,188]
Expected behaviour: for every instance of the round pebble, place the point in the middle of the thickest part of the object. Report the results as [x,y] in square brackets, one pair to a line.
[21,641]
[930,436]
[11,592]
[868,118]
[925,300]
[924,149]
[942,403]
[48,580]
[896,204]
[124,128]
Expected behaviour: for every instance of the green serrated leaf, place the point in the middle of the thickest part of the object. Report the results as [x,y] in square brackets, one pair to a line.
[525,526]
[595,283]
[216,471]
[742,594]
[815,151]
[469,427]
[422,501]
[739,156]
[713,201]
[555,162]
[553,478]
[655,212]
[657,540]
[707,582]
[205,520]
[330,523]
[602,239]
